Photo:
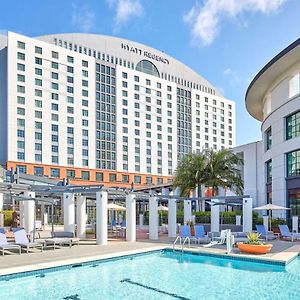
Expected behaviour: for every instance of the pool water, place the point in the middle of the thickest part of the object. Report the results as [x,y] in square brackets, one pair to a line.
[160,275]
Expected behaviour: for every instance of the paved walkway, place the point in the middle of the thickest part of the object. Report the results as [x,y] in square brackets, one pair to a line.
[282,251]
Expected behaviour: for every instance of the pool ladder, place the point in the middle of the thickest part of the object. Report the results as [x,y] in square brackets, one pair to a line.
[179,238]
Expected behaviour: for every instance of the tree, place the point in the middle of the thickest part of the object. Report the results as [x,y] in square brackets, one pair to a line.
[222,170]
[210,168]
[190,173]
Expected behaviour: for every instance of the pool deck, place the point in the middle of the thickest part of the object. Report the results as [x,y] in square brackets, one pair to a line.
[282,253]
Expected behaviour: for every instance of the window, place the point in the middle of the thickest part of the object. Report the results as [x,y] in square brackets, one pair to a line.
[21,78]
[21,45]
[54,54]
[137,179]
[112,177]
[85,63]
[21,67]
[38,171]
[54,65]
[268,167]
[38,61]
[21,56]
[85,175]
[38,71]
[125,178]
[38,50]
[54,172]
[99,176]
[54,75]
[268,138]
[70,59]
[293,125]
[22,169]
[294,85]
[21,111]
[70,173]
[21,89]
[293,163]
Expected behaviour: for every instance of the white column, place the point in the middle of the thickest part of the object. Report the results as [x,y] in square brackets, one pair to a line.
[187,210]
[29,212]
[81,216]
[153,218]
[295,224]
[266,222]
[130,218]
[101,218]
[247,214]
[238,219]
[172,217]
[69,212]
[21,213]
[215,216]
[141,220]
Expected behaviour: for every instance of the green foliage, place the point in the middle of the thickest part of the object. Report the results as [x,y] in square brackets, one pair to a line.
[210,168]
[7,217]
[253,238]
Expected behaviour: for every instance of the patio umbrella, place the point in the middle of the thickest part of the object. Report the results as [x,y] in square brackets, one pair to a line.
[270,207]
[162,208]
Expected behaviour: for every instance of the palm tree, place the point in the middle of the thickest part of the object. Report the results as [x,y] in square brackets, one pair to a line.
[210,168]
[190,173]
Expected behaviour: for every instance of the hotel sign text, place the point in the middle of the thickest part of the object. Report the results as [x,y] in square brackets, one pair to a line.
[144,53]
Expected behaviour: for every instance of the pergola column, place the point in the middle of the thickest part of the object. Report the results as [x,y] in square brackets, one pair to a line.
[81,216]
[1,198]
[130,218]
[153,218]
[172,217]
[215,216]
[187,210]
[247,214]
[101,217]
[29,212]
[69,212]
[21,213]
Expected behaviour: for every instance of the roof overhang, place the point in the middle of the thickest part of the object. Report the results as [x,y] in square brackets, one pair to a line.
[267,75]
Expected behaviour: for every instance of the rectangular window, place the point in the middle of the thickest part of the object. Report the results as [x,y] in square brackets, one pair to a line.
[268,167]
[293,126]
[21,67]
[21,56]
[293,163]
[38,171]
[137,179]
[38,50]
[85,175]
[38,61]
[70,173]
[21,45]
[112,177]
[54,54]
[268,138]
[54,172]
[99,176]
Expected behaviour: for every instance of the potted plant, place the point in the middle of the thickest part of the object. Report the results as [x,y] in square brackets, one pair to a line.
[191,224]
[254,245]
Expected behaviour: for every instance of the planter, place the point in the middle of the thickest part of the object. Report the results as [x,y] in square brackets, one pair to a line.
[254,249]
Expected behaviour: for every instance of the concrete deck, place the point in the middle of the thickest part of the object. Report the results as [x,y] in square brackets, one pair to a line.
[282,252]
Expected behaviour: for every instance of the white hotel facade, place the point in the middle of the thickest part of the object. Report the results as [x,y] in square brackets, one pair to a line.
[95,108]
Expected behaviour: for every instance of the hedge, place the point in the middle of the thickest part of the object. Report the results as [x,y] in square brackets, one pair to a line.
[8,220]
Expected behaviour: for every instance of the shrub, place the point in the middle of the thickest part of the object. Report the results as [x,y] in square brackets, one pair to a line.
[7,217]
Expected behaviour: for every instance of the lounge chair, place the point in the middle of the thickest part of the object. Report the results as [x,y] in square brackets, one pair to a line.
[22,240]
[285,233]
[200,234]
[217,240]
[184,236]
[62,238]
[240,237]
[267,235]
[5,245]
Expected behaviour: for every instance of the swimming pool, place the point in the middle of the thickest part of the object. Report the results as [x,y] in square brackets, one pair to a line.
[159,275]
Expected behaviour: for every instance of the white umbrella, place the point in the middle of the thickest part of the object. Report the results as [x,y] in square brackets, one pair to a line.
[162,208]
[113,206]
[270,207]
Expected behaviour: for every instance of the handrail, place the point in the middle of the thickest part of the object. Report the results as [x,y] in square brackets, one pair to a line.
[178,238]
[186,239]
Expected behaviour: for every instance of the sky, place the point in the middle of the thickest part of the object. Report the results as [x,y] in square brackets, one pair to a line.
[226,41]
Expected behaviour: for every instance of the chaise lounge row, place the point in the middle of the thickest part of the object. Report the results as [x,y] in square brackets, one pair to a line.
[22,241]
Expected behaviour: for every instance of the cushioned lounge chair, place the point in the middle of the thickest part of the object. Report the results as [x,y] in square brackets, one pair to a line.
[22,240]
[5,245]
[63,238]
[267,235]
[285,233]
[200,234]
[184,236]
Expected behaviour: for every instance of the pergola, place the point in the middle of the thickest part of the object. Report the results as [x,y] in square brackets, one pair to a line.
[29,195]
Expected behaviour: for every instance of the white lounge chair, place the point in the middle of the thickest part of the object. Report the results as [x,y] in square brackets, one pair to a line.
[5,245]
[22,240]
[217,240]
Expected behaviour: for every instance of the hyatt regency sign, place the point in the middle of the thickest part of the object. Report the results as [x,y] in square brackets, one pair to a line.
[144,53]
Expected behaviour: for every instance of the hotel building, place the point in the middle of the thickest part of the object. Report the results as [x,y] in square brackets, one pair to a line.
[102,109]
[272,166]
